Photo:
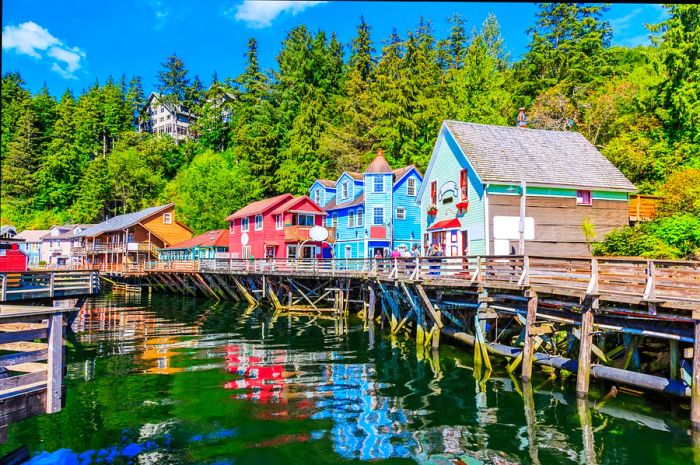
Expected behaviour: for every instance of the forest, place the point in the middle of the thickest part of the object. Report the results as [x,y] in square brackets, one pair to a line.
[327,107]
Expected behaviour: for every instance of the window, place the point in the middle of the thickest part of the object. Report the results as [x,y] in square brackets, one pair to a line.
[433,193]
[583,198]
[360,218]
[463,185]
[378,215]
[400,213]
[411,187]
[345,190]
[334,221]
[167,218]
[244,224]
[278,222]
[317,197]
[258,222]
[305,220]
[378,184]
[351,219]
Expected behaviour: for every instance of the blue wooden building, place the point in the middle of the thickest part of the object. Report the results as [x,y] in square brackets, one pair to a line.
[486,185]
[371,211]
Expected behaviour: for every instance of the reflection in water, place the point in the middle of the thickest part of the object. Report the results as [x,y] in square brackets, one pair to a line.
[177,380]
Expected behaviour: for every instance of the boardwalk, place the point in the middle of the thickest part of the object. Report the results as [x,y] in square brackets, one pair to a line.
[33,285]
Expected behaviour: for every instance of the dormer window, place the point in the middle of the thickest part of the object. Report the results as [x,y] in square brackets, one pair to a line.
[346,190]
[317,197]
[167,218]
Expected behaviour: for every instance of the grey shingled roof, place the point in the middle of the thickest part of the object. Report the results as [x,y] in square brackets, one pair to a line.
[507,154]
[122,221]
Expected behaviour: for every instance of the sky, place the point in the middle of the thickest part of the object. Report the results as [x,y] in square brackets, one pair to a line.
[70,43]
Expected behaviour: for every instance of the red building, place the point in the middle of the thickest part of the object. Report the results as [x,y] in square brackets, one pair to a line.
[11,258]
[277,227]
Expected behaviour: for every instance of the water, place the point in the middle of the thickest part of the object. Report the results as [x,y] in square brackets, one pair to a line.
[177,380]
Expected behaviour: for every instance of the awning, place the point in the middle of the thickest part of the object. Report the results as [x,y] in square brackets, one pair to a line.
[446,224]
[275,243]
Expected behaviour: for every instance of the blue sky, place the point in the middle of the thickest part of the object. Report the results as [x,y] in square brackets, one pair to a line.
[70,43]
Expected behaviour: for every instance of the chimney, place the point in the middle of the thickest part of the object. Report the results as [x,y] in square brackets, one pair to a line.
[522,118]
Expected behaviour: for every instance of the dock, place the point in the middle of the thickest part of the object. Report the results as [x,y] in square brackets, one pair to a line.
[588,315]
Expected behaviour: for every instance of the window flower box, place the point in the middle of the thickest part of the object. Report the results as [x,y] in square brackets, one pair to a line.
[432,211]
[462,207]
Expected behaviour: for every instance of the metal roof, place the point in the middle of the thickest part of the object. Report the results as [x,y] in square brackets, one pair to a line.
[555,158]
[122,221]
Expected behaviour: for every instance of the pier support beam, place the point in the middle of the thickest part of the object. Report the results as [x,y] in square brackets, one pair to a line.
[695,388]
[584,354]
[528,347]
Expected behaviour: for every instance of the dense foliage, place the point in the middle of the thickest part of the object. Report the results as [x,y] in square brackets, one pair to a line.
[327,107]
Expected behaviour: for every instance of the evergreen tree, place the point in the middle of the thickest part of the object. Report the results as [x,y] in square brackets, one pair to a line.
[45,110]
[14,95]
[136,100]
[173,83]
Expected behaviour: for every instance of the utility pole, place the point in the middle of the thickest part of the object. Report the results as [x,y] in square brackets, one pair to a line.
[521,225]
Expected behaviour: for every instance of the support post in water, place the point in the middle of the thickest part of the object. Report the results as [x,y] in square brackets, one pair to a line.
[528,347]
[695,388]
[54,363]
[584,354]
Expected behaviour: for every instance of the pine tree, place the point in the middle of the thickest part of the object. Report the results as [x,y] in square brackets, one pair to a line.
[173,83]
[136,100]
[14,95]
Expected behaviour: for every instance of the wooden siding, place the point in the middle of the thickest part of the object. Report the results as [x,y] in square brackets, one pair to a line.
[445,168]
[353,189]
[172,233]
[558,221]
[642,207]
[411,224]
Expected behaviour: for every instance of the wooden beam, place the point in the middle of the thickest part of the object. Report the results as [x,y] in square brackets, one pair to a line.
[55,362]
[584,355]
[528,348]
[695,388]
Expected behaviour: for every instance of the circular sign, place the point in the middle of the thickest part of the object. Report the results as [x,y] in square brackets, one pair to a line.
[244,239]
[318,233]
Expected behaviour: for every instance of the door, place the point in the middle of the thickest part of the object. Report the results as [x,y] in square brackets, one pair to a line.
[465,243]
[270,251]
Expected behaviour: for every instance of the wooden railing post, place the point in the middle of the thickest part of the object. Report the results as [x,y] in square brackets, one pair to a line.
[51,284]
[650,288]
[3,289]
[55,363]
[593,283]
[695,385]
[528,347]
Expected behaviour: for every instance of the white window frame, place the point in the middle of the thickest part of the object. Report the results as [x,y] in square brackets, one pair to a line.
[400,213]
[374,216]
[256,222]
[167,218]
[279,222]
[411,190]
[317,197]
[334,220]
[346,190]
[306,215]
[351,219]
[374,184]
[359,221]
[245,224]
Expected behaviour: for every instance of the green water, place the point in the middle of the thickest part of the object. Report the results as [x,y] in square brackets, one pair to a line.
[175,380]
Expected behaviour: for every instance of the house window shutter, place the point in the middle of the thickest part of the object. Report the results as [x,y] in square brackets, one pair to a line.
[433,192]
[463,184]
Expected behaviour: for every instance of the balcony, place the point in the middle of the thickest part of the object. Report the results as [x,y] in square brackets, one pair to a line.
[301,233]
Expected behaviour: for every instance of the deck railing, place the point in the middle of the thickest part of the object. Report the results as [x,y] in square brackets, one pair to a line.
[47,284]
[627,280]
[31,340]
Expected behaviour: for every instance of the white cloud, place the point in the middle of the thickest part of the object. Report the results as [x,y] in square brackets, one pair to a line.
[31,39]
[260,14]
[622,23]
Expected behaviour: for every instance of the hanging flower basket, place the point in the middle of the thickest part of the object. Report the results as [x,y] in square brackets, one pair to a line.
[432,211]
[462,207]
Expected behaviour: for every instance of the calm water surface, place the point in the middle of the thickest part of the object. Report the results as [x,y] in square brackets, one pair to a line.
[177,380]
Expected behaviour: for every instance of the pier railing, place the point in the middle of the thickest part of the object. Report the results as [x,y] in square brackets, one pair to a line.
[627,280]
[31,364]
[47,284]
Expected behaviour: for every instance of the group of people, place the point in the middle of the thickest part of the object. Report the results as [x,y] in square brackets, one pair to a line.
[429,251]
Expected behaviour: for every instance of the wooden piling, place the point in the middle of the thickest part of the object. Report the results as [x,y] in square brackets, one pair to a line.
[528,348]
[584,355]
[55,363]
[695,388]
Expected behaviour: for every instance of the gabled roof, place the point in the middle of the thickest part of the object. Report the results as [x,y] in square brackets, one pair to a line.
[285,207]
[355,175]
[541,157]
[123,221]
[399,173]
[379,165]
[326,182]
[171,108]
[359,200]
[67,231]
[259,207]
[214,238]
[33,235]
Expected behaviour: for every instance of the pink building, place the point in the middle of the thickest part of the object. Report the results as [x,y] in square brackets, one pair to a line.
[277,227]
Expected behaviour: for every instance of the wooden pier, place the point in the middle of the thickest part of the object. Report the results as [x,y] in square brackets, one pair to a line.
[31,362]
[596,317]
